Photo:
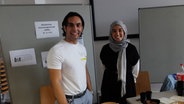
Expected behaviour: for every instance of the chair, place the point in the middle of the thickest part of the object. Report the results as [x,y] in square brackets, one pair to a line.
[143,82]
[46,95]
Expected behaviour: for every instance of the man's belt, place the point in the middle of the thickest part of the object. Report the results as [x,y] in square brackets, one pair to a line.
[76,96]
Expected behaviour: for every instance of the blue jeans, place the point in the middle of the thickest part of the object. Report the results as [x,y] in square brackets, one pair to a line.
[86,99]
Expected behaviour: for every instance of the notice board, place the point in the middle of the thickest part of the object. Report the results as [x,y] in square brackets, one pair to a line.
[161,40]
[17,32]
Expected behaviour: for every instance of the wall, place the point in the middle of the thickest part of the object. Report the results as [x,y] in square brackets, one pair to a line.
[160,40]
[126,10]
[25,81]
[44,1]
[16,1]
[130,9]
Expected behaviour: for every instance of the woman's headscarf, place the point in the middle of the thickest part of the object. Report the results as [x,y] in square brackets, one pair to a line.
[114,45]
[121,48]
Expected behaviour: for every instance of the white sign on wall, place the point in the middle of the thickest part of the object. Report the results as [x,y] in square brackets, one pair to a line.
[46,29]
[22,57]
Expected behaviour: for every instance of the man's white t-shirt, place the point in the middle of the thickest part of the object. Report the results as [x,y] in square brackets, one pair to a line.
[71,59]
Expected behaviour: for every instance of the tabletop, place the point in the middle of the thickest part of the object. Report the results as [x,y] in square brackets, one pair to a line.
[155,95]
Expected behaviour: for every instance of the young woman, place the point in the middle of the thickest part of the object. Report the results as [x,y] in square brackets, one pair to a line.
[121,61]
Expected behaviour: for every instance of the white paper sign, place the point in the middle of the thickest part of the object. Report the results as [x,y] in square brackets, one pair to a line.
[22,57]
[44,58]
[46,29]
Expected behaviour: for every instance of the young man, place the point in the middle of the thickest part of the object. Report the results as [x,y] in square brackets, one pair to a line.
[66,62]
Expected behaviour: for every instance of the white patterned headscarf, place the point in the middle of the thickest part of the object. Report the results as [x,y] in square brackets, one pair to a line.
[114,45]
[121,48]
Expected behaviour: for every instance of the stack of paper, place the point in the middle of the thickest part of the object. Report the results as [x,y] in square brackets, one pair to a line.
[172,100]
[165,100]
[177,98]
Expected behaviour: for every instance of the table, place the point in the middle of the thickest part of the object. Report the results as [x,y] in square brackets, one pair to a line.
[155,95]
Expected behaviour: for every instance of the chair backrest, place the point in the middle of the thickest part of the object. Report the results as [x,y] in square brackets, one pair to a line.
[46,95]
[143,82]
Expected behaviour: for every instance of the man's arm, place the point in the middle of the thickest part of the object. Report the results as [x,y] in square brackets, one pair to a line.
[56,78]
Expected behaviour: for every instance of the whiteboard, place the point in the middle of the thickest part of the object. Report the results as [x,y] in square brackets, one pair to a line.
[161,40]
[17,31]
[107,11]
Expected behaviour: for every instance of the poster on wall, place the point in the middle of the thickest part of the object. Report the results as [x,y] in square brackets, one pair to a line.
[22,57]
[46,29]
